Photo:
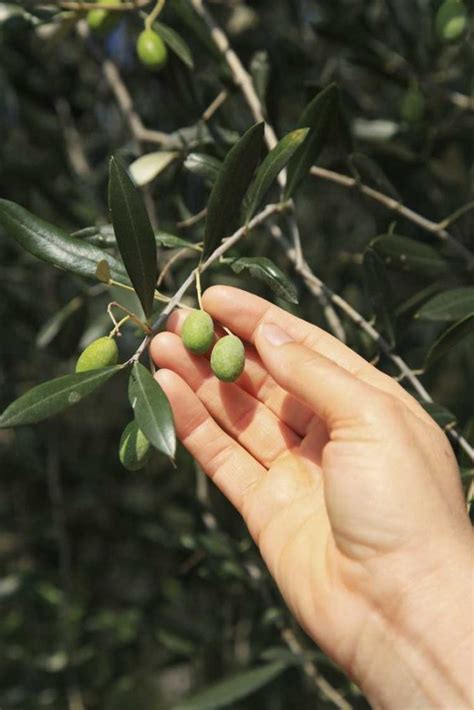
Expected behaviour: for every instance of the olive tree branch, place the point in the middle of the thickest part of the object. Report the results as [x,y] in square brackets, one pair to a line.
[244,81]
[436,228]
[216,254]
[121,94]
[315,285]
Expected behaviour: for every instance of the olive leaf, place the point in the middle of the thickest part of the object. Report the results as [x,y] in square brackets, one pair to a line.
[451,337]
[147,167]
[260,267]
[230,187]
[227,692]
[134,234]
[54,245]
[170,241]
[152,410]
[104,236]
[52,397]
[206,166]
[409,255]
[448,305]
[379,294]
[318,115]
[175,42]
[270,168]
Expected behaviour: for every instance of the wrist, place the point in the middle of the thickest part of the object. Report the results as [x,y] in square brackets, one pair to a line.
[419,652]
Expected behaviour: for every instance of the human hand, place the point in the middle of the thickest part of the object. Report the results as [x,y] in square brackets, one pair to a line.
[348,487]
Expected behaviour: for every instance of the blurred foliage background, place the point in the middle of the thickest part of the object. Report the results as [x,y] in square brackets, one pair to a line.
[122,590]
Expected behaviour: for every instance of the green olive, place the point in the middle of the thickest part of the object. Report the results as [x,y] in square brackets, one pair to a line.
[412,107]
[134,447]
[102,21]
[198,332]
[101,353]
[228,358]
[450,20]
[151,50]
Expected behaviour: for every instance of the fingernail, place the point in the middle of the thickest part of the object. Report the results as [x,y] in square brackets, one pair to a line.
[275,335]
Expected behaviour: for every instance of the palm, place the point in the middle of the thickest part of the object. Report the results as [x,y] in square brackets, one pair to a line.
[308,501]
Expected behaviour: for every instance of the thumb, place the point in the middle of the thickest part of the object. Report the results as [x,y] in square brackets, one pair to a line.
[333,393]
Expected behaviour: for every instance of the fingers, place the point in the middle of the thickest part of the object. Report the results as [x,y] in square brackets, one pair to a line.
[337,397]
[232,468]
[257,382]
[241,415]
[243,312]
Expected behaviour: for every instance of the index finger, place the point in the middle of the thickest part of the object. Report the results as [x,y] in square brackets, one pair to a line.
[243,312]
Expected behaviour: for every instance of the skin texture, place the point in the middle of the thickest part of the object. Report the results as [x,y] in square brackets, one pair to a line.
[350,490]
[101,353]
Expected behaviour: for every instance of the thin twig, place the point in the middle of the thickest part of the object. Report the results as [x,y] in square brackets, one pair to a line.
[311,670]
[194,219]
[216,254]
[215,105]
[435,228]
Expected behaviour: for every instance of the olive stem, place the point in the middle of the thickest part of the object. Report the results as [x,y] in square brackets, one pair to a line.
[132,316]
[116,329]
[198,288]
[149,19]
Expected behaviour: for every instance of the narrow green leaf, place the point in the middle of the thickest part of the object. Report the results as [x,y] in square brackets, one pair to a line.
[105,236]
[260,72]
[409,255]
[170,241]
[318,115]
[52,397]
[101,236]
[54,245]
[206,166]
[175,42]
[271,167]
[260,267]
[134,234]
[147,167]
[229,691]
[152,410]
[449,305]
[379,294]
[451,337]
[442,416]
[230,187]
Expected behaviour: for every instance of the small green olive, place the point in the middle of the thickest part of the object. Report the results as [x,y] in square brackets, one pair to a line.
[198,332]
[151,50]
[412,107]
[134,447]
[101,353]
[228,358]
[100,20]
[451,20]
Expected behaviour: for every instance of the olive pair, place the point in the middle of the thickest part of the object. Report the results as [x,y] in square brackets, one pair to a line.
[228,354]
